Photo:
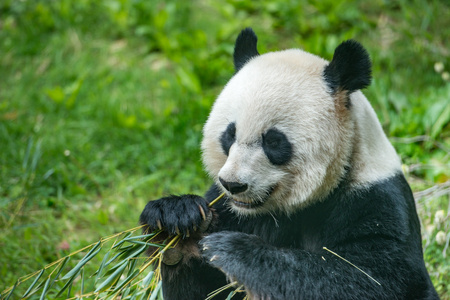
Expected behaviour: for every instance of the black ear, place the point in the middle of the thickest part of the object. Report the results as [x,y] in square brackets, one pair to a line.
[350,68]
[245,48]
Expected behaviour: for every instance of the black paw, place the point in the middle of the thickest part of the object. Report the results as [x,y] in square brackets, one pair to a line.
[177,214]
[230,251]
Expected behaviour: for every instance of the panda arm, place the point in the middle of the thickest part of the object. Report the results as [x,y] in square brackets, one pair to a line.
[190,277]
[269,272]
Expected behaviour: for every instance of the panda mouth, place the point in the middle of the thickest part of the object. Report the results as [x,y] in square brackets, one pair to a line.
[248,205]
[253,204]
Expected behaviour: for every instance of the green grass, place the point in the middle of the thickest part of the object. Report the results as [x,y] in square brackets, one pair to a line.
[102,105]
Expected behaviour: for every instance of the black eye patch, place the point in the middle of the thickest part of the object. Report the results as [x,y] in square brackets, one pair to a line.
[228,138]
[276,147]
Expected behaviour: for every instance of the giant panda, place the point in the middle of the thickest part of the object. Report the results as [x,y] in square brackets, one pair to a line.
[316,205]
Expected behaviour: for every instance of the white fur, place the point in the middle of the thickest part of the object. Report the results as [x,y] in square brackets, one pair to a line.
[286,90]
[374,157]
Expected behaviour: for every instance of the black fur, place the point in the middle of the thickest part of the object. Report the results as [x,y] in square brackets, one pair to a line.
[228,138]
[282,257]
[165,211]
[244,48]
[277,147]
[350,68]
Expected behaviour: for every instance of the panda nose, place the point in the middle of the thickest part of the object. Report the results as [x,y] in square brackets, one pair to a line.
[234,187]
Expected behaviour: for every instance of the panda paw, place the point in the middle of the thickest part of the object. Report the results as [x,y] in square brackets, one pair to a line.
[177,215]
[231,252]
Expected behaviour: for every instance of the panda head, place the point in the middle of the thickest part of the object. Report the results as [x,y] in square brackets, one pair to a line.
[281,133]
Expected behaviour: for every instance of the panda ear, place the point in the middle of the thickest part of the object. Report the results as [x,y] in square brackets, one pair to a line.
[350,68]
[245,48]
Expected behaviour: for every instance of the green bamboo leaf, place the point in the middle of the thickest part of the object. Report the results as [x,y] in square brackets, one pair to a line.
[138,242]
[125,281]
[83,261]
[36,289]
[82,281]
[143,294]
[125,292]
[69,290]
[122,241]
[138,252]
[111,279]
[146,281]
[114,268]
[132,252]
[96,246]
[34,283]
[133,297]
[131,266]
[136,237]
[12,290]
[113,258]
[45,291]
[154,245]
[66,285]
[102,265]
[230,295]
[62,265]
[156,291]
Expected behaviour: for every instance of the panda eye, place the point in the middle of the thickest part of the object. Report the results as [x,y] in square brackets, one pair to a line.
[228,138]
[277,147]
[271,141]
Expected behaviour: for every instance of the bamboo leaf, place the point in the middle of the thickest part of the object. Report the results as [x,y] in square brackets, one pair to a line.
[36,289]
[156,291]
[154,245]
[69,290]
[102,265]
[230,295]
[99,243]
[132,252]
[114,268]
[146,281]
[66,285]
[83,261]
[138,252]
[131,266]
[111,279]
[143,237]
[122,241]
[45,290]
[34,283]
[139,243]
[12,290]
[82,281]
[113,258]
[125,281]
[63,264]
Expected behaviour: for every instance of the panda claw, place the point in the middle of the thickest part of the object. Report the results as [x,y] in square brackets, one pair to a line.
[177,230]
[158,223]
[214,257]
[187,233]
[202,212]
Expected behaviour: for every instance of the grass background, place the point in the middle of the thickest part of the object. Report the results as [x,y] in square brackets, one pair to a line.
[102,105]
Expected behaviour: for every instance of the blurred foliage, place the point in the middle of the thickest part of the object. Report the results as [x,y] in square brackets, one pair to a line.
[102,105]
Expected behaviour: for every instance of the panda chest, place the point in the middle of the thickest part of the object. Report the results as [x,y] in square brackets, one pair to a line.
[293,233]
